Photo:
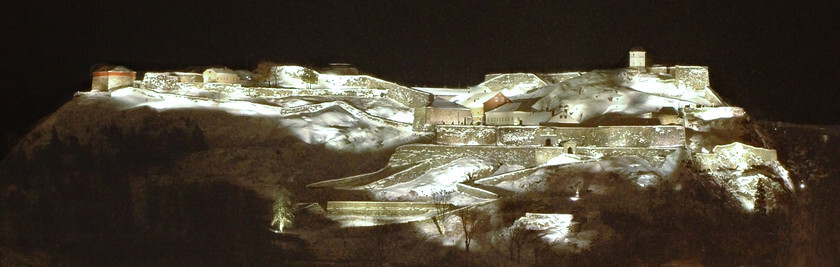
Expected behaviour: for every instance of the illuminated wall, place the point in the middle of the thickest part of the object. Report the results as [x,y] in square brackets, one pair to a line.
[691,77]
[109,80]
[525,156]
[605,136]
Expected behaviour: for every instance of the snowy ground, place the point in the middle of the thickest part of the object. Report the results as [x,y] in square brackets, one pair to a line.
[599,92]
[438,179]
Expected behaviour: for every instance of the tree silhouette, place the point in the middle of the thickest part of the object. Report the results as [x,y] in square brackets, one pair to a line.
[310,77]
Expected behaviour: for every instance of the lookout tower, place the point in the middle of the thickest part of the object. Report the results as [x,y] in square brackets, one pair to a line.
[107,78]
[637,57]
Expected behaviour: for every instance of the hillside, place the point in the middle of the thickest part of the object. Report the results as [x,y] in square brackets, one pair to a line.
[156,168]
[185,178]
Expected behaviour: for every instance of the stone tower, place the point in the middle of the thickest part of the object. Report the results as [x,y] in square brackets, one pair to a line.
[637,57]
[108,78]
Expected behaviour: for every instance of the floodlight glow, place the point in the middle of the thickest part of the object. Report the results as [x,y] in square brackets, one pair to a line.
[577,195]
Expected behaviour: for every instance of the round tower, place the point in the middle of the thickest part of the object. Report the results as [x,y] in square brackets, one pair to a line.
[108,78]
[637,57]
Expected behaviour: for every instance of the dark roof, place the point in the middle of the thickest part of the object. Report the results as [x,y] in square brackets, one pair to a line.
[112,68]
[637,49]
[668,111]
[443,103]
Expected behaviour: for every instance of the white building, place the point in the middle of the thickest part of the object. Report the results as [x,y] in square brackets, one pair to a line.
[220,75]
[637,57]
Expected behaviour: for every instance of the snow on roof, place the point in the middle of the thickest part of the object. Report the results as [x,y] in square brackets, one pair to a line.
[113,68]
[563,118]
[222,70]
[477,100]
[443,103]
[443,91]
[512,106]
[512,84]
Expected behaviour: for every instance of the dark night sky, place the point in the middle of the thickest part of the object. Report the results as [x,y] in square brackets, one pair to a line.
[780,61]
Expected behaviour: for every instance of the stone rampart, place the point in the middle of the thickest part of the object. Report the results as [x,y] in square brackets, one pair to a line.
[713,118]
[655,156]
[361,179]
[402,176]
[528,156]
[410,97]
[510,176]
[691,77]
[734,156]
[380,208]
[604,136]
[475,191]
[466,134]
[441,154]
[518,136]
[613,136]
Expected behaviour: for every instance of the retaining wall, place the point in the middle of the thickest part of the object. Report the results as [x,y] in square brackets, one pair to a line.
[402,176]
[475,191]
[604,136]
[361,179]
[380,208]
[655,156]
[525,156]
[410,97]
[441,154]
[466,134]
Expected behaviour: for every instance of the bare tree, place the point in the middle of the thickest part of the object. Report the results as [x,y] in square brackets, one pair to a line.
[441,207]
[263,75]
[469,220]
[516,238]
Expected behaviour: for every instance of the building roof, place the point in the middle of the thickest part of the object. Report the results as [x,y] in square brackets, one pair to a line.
[445,104]
[668,111]
[223,70]
[637,49]
[478,100]
[112,68]
[524,105]
[512,106]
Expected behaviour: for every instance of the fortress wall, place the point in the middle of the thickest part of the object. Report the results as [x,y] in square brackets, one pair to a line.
[465,135]
[510,176]
[475,191]
[160,81]
[402,176]
[359,180]
[377,208]
[607,136]
[519,136]
[714,118]
[691,77]
[410,97]
[152,84]
[615,136]
[442,154]
[553,78]
[655,156]
[544,154]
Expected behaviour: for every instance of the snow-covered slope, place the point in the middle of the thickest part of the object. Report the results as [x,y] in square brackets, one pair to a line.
[438,179]
[383,124]
[294,77]
[600,92]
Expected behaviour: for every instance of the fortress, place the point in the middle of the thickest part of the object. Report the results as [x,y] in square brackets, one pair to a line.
[521,119]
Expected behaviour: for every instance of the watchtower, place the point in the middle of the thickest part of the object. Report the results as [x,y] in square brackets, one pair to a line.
[637,57]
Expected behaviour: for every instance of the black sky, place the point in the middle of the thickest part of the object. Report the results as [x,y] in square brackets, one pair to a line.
[780,61]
